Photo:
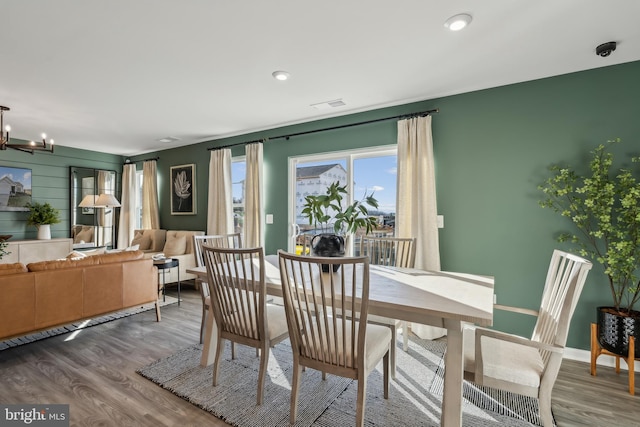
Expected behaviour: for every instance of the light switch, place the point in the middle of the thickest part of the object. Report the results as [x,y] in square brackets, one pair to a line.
[440,221]
[269,219]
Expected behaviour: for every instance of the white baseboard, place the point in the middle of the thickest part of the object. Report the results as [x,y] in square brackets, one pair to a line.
[603,360]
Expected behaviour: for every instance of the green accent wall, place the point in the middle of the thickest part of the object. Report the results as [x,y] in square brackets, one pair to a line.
[492,149]
[50,183]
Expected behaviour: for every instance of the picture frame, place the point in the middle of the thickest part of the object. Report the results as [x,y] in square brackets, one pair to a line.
[15,189]
[183,189]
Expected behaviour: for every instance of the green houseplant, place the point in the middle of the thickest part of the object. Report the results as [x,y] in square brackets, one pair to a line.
[3,248]
[604,206]
[326,211]
[42,215]
[329,214]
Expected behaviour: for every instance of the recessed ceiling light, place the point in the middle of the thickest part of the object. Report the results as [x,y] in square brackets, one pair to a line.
[458,22]
[168,139]
[281,75]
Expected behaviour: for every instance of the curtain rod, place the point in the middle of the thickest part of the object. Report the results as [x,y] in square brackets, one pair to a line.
[402,117]
[127,161]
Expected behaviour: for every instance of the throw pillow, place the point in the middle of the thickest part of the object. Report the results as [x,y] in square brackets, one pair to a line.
[175,246]
[99,251]
[85,236]
[75,255]
[143,241]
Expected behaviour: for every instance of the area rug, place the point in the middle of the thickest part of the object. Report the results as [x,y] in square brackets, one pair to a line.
[72,327]
[321,403]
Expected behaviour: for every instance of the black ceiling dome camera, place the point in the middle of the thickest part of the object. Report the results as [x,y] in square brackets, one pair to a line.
[605,49]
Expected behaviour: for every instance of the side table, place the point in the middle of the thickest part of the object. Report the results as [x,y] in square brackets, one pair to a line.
[164,265]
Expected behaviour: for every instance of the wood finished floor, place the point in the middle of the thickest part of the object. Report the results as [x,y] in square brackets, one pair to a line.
[95,373]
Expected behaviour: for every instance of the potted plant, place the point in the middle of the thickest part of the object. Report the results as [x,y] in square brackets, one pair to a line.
[604,206]
[3,246]
[327,214]
[42,215]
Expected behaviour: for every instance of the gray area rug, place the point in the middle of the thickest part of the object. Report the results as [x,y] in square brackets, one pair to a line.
[321,403]
[72,327]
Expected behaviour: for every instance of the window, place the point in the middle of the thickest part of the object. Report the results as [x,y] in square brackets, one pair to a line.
[238,179]
[363,171]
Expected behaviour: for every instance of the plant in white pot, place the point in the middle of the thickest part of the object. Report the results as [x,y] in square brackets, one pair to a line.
[604,205]
[42,215]
[328,215]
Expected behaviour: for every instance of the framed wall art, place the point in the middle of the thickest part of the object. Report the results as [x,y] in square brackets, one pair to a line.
[15,189]
[183,189]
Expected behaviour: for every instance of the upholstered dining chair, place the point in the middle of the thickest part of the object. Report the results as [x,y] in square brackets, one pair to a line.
[238,296]
[529,366]
[233,240]
[394,252]
[322,340]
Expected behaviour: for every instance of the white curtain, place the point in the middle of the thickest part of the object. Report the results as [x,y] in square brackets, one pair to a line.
[128,206]
[416,210]
[150,213]
[253,198]
[220,203]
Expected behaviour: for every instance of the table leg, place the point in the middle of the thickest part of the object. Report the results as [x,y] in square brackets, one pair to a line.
[453,375]
[178,267]
[210,341]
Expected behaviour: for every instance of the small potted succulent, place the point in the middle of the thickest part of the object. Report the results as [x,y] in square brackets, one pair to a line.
[604,206]
[42,215]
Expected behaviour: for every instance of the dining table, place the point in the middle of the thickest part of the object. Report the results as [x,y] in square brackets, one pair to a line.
[437,298]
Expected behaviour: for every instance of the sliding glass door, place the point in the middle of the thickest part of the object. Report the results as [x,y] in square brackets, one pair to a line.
[362,171]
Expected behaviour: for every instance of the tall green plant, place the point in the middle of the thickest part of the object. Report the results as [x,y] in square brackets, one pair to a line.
[604,205]
[326,209]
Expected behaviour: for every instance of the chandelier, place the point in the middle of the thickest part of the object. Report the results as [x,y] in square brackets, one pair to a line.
[27,148]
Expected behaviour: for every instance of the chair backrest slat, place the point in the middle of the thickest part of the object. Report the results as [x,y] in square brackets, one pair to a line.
[389,251]
[565,279]
[314,301]
[235,278]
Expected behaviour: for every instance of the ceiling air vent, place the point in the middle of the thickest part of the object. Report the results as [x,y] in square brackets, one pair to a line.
[328,104]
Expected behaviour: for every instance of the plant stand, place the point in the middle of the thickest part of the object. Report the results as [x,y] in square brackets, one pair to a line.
[597,350]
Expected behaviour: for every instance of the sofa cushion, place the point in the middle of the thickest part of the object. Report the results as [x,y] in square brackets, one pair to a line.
[118,257]
[158,237]
[144,241]
[175,245]
[14,268]
[58,264]
[86,261]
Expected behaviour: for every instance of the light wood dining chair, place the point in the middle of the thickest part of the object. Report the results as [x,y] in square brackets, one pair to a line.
[238,296]
[394,252]
[233,240]
[322,340]
[529,366]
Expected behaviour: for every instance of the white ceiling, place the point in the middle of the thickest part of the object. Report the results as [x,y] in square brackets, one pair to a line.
[115,76]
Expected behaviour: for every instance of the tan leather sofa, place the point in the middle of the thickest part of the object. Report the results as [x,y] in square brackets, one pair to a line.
[176,244]
[46,294]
